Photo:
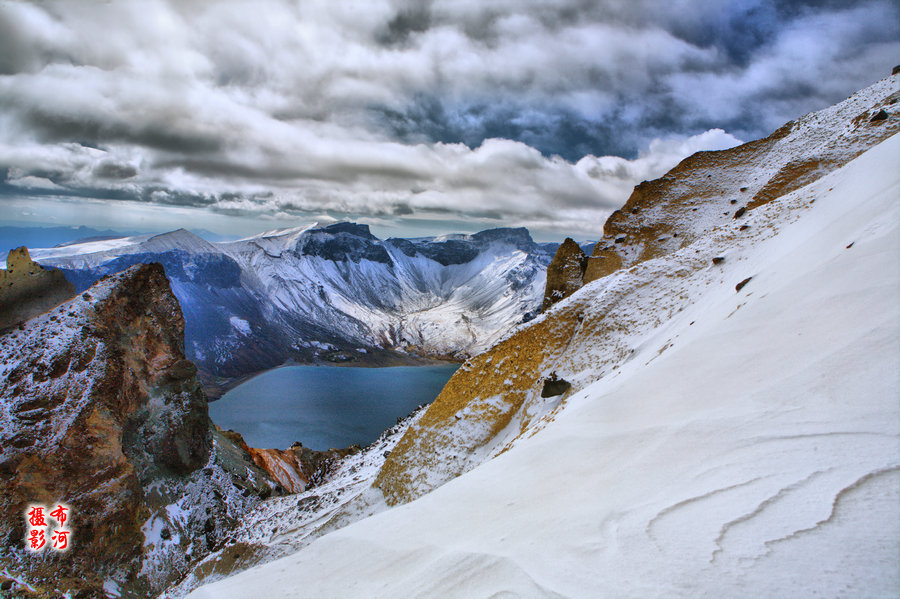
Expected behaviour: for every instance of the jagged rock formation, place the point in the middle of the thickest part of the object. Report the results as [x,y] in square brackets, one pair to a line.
[28,289]
[334,293]
[296,468]
[675,216]
[339,492]
[100,409]
[565,275]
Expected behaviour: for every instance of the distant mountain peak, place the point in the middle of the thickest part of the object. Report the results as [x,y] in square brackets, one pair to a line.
[515,235]
[179,239]
[355,229]
[283,232]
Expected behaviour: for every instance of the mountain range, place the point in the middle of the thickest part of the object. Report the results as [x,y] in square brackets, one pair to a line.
[334,293]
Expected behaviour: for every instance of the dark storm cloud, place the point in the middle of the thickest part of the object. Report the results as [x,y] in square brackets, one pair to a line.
[533,111]
[769,61]
[113,170]
[402,209]
[560,132]
[407,21]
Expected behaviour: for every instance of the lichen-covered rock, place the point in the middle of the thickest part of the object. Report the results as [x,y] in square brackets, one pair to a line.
[28,289]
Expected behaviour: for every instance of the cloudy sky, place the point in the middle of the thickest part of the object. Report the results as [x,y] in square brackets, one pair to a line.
[416,117]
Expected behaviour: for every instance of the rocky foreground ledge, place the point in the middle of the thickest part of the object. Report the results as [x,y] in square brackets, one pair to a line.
[100,410]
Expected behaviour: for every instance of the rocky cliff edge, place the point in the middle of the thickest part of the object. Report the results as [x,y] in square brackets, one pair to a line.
[100,410]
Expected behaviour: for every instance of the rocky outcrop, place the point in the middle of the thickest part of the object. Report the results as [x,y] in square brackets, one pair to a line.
[296,469]
[684,218]
[99,409]
[28,289]
[708,189]
[565,274]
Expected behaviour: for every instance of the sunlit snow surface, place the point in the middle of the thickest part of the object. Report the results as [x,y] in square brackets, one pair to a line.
[750,448]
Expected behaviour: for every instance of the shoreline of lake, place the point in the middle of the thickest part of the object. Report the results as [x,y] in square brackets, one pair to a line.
[216,387]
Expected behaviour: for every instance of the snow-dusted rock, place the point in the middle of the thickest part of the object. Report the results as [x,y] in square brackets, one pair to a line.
[100,410]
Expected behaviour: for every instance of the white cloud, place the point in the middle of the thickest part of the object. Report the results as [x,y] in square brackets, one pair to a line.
[276,107]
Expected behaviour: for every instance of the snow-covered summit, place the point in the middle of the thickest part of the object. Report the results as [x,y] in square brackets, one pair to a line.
[92,254]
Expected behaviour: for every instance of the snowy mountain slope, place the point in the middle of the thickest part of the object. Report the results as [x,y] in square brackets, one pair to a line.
[497,395]
[94,253]
[709,189]
[334,292]
[440,296]
[218,307]
[717,442]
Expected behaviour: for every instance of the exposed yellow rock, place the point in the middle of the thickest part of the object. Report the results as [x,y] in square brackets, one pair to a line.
[482,397]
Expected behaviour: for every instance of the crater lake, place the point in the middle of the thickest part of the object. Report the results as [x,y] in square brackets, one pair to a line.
[326,406]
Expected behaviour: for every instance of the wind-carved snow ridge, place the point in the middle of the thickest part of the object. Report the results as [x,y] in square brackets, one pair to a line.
[714,442]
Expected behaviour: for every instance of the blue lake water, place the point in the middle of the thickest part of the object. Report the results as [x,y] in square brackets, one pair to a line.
[326,406]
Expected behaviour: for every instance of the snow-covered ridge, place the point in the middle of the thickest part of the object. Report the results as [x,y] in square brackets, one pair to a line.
[714,441]
[94,253]
[286,294]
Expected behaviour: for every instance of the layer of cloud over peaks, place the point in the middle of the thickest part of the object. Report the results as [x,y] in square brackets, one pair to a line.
[507,112]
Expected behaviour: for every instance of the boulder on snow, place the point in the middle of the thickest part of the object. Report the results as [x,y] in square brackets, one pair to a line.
[741,285]
[881,115]
[553,386]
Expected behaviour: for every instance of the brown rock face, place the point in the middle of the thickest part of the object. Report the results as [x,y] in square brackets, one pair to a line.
[296,468]
[28,289]
[565,274]
[98,405]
